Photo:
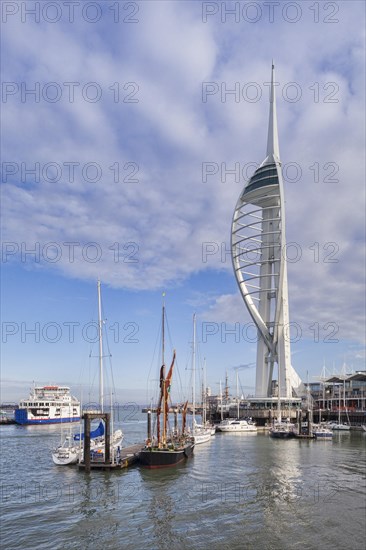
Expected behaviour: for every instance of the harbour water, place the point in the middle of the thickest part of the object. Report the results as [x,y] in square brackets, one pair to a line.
[239,491]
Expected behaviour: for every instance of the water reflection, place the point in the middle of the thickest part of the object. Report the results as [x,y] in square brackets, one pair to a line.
[96,502]
[238,491]
[283,473]
[163,493]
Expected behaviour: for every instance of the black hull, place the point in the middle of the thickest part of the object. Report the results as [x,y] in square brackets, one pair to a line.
[164,458]
[282,435]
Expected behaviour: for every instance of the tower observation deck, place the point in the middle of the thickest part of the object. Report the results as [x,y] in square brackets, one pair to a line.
[258,248]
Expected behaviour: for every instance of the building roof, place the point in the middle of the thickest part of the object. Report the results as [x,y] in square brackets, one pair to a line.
[339,379]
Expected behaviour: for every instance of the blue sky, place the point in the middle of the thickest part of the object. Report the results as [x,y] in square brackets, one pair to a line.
[126,119]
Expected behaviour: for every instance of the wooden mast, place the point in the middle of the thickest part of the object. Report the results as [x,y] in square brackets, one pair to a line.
[163,387]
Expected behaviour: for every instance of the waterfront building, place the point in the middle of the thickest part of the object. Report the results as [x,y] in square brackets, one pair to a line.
[339,393]
[343,394]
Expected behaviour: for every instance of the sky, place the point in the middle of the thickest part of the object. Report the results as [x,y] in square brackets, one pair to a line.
[128,131]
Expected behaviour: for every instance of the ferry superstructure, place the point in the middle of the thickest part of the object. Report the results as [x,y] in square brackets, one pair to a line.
[48,405]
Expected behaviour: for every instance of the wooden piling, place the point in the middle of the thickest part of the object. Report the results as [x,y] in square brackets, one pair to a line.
[107,439]
[149,425]
[87,443]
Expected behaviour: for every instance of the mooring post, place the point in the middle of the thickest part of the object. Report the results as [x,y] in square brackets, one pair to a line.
[298,412]
[107,443]
[149,425]
[176,421]
[87,443]
[308,414]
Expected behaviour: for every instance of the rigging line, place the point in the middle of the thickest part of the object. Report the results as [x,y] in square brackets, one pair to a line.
[177,370]
[109,355]
[91,381]
[168,330]
[110,371]
[180,388]
[200,366]
[158,337]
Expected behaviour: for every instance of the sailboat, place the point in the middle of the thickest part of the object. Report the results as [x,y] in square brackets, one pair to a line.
[205,423]
[163,449]
[339,426]
[280,429]
[200,434]
[70,451]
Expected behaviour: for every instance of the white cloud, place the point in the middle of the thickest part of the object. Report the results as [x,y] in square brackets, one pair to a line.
[170,132]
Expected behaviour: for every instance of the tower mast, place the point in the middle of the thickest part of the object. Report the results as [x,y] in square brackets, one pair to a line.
[258,229]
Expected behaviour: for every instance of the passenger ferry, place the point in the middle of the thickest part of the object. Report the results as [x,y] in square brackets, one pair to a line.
[48,405]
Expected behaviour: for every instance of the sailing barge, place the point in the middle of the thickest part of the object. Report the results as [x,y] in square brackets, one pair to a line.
[163,450]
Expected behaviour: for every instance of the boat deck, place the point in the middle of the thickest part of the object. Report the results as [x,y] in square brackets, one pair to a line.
[128,457]
[6,421]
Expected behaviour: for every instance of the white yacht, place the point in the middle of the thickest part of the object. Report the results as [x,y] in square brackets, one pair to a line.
[322,432]
[236,425]
[340,427]
[200,434]
[71,449]
[231,425]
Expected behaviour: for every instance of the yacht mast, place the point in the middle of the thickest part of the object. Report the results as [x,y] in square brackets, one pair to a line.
[194,372]
[222,415]
[100,325]
[237,391]
[204,412]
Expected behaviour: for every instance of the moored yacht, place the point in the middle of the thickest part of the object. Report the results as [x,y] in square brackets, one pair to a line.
[71,449]
[237,425]
[282,430]
[321,432]
[338,426]
[233,425]
[200,434]
[210,427]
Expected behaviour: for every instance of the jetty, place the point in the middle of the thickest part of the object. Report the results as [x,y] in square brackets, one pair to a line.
[127,457]
[99,460]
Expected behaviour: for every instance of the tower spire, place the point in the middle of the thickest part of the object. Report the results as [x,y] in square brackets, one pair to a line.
[265,291]
[273,150]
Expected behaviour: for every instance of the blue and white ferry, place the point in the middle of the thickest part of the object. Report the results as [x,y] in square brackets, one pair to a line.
[48,405]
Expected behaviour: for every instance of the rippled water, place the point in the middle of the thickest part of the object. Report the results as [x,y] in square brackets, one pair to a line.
[240,491]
